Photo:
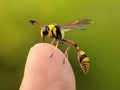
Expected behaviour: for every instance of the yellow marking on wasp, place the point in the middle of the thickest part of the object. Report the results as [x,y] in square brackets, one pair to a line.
[78,48]
[63,34]
[41,34]
[82,52]
[51,29]
[85,64]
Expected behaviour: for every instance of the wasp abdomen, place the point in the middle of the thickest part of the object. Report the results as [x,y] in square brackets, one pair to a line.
[84,61]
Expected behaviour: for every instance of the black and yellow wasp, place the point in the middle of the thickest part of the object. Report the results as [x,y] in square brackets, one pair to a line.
[56,33]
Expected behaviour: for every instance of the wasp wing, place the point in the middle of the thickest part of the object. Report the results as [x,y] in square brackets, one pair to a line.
[78,24]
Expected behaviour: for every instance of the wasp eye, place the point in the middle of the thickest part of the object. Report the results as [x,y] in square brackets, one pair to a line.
[45,30]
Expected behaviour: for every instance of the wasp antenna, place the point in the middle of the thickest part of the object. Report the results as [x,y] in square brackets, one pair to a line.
[35,22]
[32,22]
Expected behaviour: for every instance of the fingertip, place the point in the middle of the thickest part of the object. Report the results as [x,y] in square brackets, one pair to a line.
[44,72]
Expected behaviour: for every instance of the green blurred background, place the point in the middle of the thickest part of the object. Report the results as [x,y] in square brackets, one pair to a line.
[101,41]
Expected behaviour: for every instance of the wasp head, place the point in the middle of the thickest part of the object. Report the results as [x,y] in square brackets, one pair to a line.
[44,31]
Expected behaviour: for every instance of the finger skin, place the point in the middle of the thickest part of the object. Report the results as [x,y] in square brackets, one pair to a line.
[45,73]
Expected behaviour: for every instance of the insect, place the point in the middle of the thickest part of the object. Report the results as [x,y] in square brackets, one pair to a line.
[56,33]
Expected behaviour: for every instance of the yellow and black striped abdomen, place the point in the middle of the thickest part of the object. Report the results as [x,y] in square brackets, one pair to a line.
[84,61]
[82,56]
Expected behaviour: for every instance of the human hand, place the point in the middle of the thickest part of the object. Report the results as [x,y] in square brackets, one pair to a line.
[43,72]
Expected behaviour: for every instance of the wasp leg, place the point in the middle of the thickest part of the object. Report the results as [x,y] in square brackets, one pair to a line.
[67,51]
[82,56]
[54,49]
[66,54]
[43,39]
[53,40]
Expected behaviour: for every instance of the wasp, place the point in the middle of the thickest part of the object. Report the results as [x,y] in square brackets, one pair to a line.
[57,32]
